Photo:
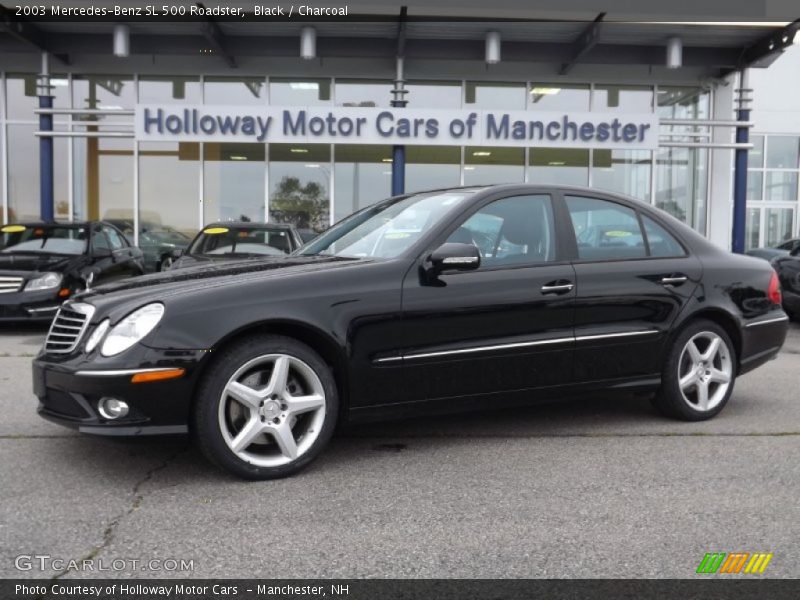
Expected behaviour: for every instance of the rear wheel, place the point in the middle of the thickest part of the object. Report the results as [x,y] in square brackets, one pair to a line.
[266,409]
[699,373]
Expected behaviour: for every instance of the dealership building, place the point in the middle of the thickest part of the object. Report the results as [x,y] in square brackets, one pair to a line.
[180,123]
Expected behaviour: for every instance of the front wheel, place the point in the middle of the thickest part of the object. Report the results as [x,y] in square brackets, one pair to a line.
[165,264]
[699,373]
[266,408]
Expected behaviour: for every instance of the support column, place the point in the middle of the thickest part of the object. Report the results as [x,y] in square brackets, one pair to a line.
[740,166]
[399,152]
[46,201]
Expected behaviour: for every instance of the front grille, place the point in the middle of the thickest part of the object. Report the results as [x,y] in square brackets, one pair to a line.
[68,328]
[9,285]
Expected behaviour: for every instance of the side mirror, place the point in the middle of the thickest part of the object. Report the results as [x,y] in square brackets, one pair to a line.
[454,257]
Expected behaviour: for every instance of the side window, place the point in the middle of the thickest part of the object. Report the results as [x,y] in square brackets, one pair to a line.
[116,240]
[100,241]
[605,230]
[661,242]
[515,230]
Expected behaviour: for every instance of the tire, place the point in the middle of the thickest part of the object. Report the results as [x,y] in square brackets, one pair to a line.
[683,380]
[164,264]
[276,427]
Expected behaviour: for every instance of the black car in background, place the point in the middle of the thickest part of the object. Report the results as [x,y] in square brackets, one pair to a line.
[238,240]
[43,264]
[448,300]
[783,249]
[158,243]
[787,267]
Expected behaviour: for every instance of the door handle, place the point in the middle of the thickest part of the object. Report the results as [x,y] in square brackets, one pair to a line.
[675,280]
[555,287]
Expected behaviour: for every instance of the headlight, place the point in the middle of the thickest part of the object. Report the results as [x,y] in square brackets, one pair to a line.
[132,329]
[48,281]
[97,335]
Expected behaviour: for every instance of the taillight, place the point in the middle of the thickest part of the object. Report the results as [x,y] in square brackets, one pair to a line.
[774,290]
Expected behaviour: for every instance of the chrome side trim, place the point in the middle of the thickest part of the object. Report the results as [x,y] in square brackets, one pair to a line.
[581,338]
[768,321]
[514,345]
[120,372]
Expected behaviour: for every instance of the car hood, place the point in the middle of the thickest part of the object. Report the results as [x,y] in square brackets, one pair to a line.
[27,264]
[158,286]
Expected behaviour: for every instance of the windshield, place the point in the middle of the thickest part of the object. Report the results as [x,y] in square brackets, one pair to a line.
[215,241]
[388,229]
[45,239]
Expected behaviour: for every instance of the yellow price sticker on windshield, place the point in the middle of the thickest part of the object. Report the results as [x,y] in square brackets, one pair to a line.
[13,228]
[216,230]
[618,233]
[396,235]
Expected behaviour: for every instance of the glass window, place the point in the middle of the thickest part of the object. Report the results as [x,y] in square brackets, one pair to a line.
[110,92]
[783,151]
[387,229]
[169,189]
[624,171]
[434,94]
[511,231]
[171,89]
[362,176]
[356,92]
[23,174]
[233,182]
[243,240]
[781,186]
[102,176]
[755,156]
[659,241]
[117,243]
[508,96]
[605,230]
[22,99]
[299,183]
[561,166]
[753,228]
[299,92]
[432,167]
[755,181]
[59,239]
[485,165]
[100,241]
[559,96]
[683,102]
[234,90]
[682,184]
[623,98]
[778,225]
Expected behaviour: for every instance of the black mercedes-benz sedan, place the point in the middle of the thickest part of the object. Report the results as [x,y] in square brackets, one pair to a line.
[237,241]
[42,264]
[447,300]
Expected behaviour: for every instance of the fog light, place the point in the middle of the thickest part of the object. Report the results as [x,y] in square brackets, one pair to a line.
[112,408]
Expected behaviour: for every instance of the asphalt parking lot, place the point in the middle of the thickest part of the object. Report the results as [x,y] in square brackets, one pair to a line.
[585,488]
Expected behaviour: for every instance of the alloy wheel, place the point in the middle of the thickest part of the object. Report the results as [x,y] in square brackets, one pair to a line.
[272,410]
[705,371]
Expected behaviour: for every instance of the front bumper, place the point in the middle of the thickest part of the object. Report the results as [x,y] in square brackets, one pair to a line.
[69,392]
[29,306]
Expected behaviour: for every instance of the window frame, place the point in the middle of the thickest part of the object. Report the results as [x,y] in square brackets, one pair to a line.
[569,230]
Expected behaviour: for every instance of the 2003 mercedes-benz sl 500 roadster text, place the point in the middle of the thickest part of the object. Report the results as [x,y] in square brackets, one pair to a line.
[454,299]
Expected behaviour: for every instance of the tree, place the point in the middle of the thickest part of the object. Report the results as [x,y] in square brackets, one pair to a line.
[305,206]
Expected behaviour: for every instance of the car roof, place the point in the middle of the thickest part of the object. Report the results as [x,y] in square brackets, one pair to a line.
[248,225]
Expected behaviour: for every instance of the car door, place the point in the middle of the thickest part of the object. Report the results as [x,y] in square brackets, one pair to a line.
[505,326]
[103,264]
[633,278]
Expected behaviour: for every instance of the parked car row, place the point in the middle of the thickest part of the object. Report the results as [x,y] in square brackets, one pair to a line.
[785,259]
[43,264]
